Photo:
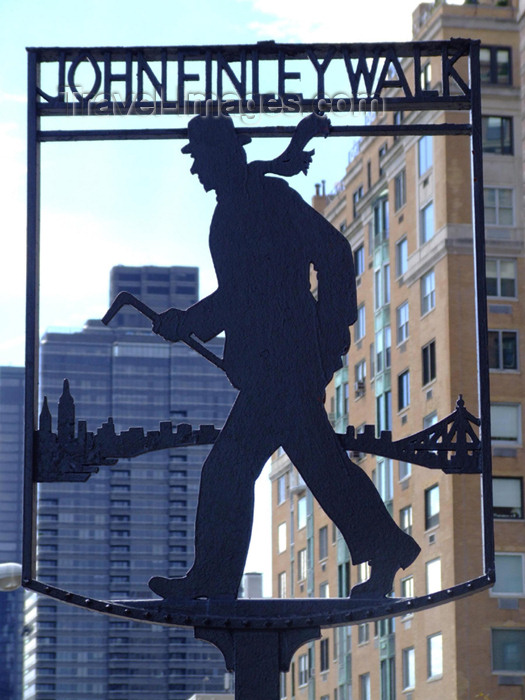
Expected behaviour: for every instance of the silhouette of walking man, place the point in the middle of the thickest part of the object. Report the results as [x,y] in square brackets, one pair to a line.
[282,347]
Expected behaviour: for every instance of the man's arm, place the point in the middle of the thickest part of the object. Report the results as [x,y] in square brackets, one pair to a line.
[203,319]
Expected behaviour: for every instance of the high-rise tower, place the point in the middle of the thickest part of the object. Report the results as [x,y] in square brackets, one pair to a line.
[106,537]
[11,484]
[404,204]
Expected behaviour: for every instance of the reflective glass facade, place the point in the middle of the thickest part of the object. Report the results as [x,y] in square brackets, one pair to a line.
[105,538]
[11,469]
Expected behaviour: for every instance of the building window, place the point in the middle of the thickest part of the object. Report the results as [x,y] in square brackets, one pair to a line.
[281,538]
[360,379]
[323,543]
[324,590]
[433,575]
[509,575]
[385,480]
[435,656]
[342,398]
[380,218]
[281,583]
[425,77]
[398,118]
[428,292]
[426,223]
[383,349]
[508,651]
[301,565]
[407,587]
[282,686]
[360,324]
[363,633]
[495,65]
[405,519]
[281,489]
[382,286]
[301,512]
[400,190]
[357,195]
[497,135]
[505,421]
[359,260]
[303,669]
[381,154]
[324,662]
[424,150]
[432,507]
[384,411]
[405,470]
[403,390]
[363,572]
[507,493]
[501,277]
[401,257]
[503,350]
[430,419]
[386,283]
[499,206]
[402,322]
[428,360]
[409,668]
[343,579]
[364,687]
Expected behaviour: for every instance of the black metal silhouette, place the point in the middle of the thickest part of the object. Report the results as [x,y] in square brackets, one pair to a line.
[261,633]
[282,347]
[450,445]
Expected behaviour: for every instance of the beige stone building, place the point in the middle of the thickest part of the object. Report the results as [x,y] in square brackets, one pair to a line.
[405,206]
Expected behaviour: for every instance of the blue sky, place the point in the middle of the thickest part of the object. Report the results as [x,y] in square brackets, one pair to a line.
[100,202]
[136,202]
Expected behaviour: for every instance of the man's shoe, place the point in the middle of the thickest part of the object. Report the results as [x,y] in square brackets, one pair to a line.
[184,588]
[384,567]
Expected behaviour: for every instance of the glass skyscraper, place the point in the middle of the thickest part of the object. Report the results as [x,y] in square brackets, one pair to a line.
[105,538]
[11,479]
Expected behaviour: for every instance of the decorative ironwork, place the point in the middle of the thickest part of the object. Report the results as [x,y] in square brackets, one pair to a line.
[227,79]
[74,456]
[431,447]
[70,456]
[268,631]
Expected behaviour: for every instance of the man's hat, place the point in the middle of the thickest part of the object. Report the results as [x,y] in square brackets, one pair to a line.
[210,131]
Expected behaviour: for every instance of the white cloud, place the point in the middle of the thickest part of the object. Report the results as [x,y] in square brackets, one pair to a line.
[12,97]
[339,21]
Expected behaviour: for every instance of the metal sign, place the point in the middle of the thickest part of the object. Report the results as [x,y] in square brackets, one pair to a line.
[267,298]
[267,77]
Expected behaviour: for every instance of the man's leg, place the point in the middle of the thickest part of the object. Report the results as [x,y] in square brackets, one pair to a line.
[225,507]
[349,498]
